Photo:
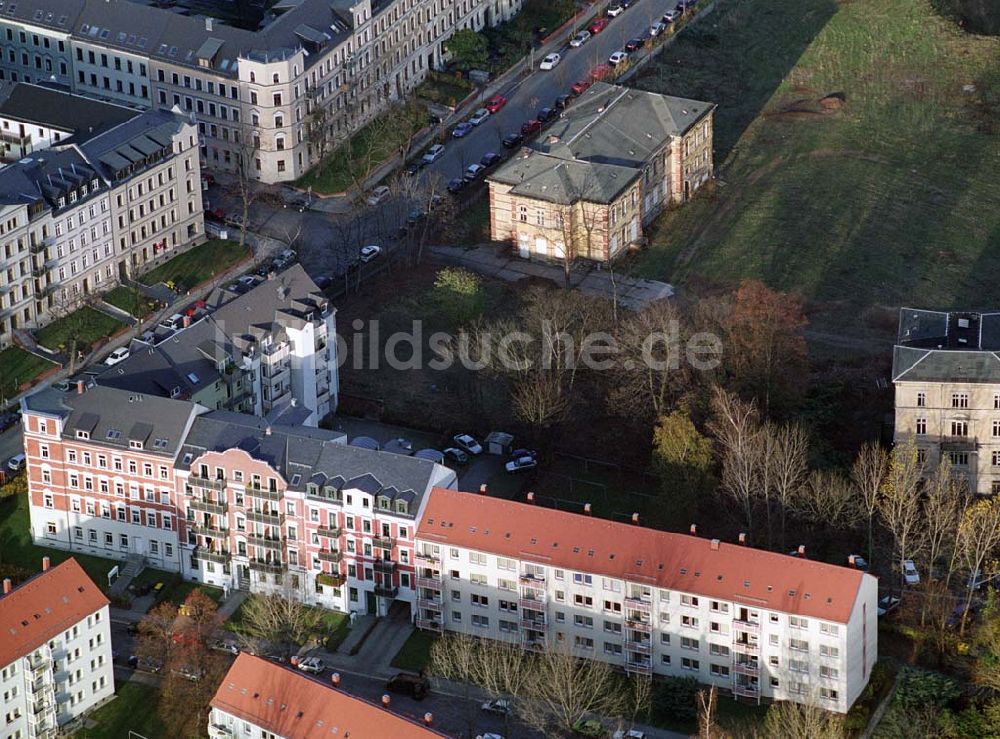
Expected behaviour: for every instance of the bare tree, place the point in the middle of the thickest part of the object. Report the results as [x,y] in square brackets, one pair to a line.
[945,499]
[278,620]
[68,310]
[868,473]
[787,720]
[978,539]
[827,499]
[708,728]
[788,462]
[737,429]
[247,156]
[899,503]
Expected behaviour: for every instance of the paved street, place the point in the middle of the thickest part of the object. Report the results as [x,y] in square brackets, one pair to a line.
[10,443]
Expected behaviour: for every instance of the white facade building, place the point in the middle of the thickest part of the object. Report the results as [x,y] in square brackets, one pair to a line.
[55,656]
[758,624]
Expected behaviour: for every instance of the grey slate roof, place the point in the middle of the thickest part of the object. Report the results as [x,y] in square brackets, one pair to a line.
[314,455]
[564,181]
[58,108]
[941,346]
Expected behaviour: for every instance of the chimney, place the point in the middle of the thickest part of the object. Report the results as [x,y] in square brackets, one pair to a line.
[635,519]
[267,431]
[482,489]
[743,539]
[850,560]
[530,498]
[428,718]
[7,585]
[81,386]
[270,275]
[802,550]
[694,529]
[715,545]
[45,564]
[187,320]
[586,508]
[208,24]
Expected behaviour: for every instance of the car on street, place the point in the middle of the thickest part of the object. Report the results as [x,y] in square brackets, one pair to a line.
[472,172]
[377,195]
[414,167]
[495,103]
[630,734]
[456,455]
[434,153]
[551,61]
[547,114]
[249,280]
[562,102]
[300,203]
[462,130]
[415,216]
[686,5]
[369,253]
[499,706]
[323,282]
[634,44]
[617,58]
[479,116]
[221,645]
[10,419]
[511,140]
[16,463]
[118,355]
[490,159]
[615,10]
[521,464]
[532,126]
[910,574]
[172,323]
[657,28]
[415,686]
[601,72]
[670,16]
[467,443]
[578,88]
[312,665]
[455,185]
[598,25]
[523,453]
[887,604]
[236,221]
[580,39]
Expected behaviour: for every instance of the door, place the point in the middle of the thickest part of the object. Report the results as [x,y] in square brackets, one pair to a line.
[523,246]
[139,545]
[370,603]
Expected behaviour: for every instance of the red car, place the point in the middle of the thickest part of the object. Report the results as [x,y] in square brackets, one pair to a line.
[215,214]
[532,126]
[495,103]
[580,87]
[601,71]
[599,25]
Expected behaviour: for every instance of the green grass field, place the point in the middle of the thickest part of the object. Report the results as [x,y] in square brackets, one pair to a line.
[131,301]
[16,547]
[175,588]
[90,325]
[889,199]
[18,367]
[415,652]
[198,265]
[133,709]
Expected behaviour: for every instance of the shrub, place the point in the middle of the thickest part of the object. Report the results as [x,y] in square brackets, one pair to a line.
[674,698]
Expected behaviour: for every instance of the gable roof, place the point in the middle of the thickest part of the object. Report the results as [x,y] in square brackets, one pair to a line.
[294,706]
[45,606]
[640,555]
[943,346]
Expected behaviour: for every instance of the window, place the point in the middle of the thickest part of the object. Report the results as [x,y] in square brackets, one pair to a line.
[830,629]
[612,628]
[922,400]
[583,600]
[584,622]
[798,665]
[996,428]
[831,673]
[690,622]
[828,694]
[690,664]
[959,428]
[689,600]
[921,426]
[959,400]
[688,643]
[483,622]
[719,607]
[798,645]
[796,622]
[958,459]
[718,650]
[828,651]
[583,642]
[719,670]
[581,579]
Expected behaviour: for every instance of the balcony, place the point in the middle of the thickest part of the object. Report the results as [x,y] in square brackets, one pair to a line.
[333,532]
[206,482]
[535,624]
[430,624]
[429,582]
[533,604]
[434,604]
[747,668]
[385,565]
[746,647]
[750,627]
[274,567]
[533,580]
[639,604]
[272,495]
[535,643]
[206,555]
[386,591]
[959,443]
[639,647]
[269,542]
[425,557]
[218,509]
[268,518]
[383,542]
[747,691]
[330,579]
[217,731]
[331,555]
[639,625]
[642,666]
[213,530]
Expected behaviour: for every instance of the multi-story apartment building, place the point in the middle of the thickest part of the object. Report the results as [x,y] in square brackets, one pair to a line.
[78,216]
[279,509]
[947,383]
[756,623]
[264,97]
[259,699]
[225,498]
[603,171]
[271,352]
[55,656]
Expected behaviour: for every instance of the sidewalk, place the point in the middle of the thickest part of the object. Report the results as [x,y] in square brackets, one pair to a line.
[115,312]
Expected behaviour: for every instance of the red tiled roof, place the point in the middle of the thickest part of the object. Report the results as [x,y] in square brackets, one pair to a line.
[294,706]
[45,606]
[674,561]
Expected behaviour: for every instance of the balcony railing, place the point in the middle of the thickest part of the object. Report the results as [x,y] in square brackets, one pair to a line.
[750,627]
[207,555]
[273,567]
[331,555]
[386,591]
[640,647]
[384,565]
[746,668]
[333,532]
[212,530]
[429,582]
[266,517]
[207,482]
[219,509]
[532,603]
[748,691]
[425,557]
[434,604]
[330,579]
[536,624]
[639,604]
[746,647]
[270,542]
[431,624]
[383,542]
[273,495]
[639,625]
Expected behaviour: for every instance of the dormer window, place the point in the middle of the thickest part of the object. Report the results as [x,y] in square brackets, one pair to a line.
[61,202]
[94,184]
[311,488]
[384,504]
[134,444]
[80,434]
[72,196]
[401,506]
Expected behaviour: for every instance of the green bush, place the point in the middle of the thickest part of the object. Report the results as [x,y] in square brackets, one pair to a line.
[674,699]
[921,688]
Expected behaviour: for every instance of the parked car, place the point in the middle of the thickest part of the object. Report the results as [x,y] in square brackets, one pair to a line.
[547,114]
[414,167]
[490,159]
[523,453]
[172,323]
[657,28]
[495,103]
[499,706]
[887,604]
[312,665]
[369,253]
[977,579]
[455,185]
[551,61]
[118,355]
[215,214]
[511,140]
[580,39]
[634,44]
[462,130]
[671,15]
[472,172]
[221,645]
[456,455]
[16,463]
[615,10]
[601,72]
[562,102]
[414,686]
[300,203]
[630,734]
[521,464]
[434,153]
[467,443]
[578,88]
[11,419]
[686,5]
[377,195]
[910,574]
[532,126]
[323,282]
[598,25]
[617,58]
[479,116]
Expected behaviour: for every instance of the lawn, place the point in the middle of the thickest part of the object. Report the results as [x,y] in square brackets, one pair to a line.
[198,264]
[87,324]
[332,627]
[356,160]
[175,588]
[17,549]
[416,652]
[133,709]
[883,194]
[443,88]
[129,300]
[16,368]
